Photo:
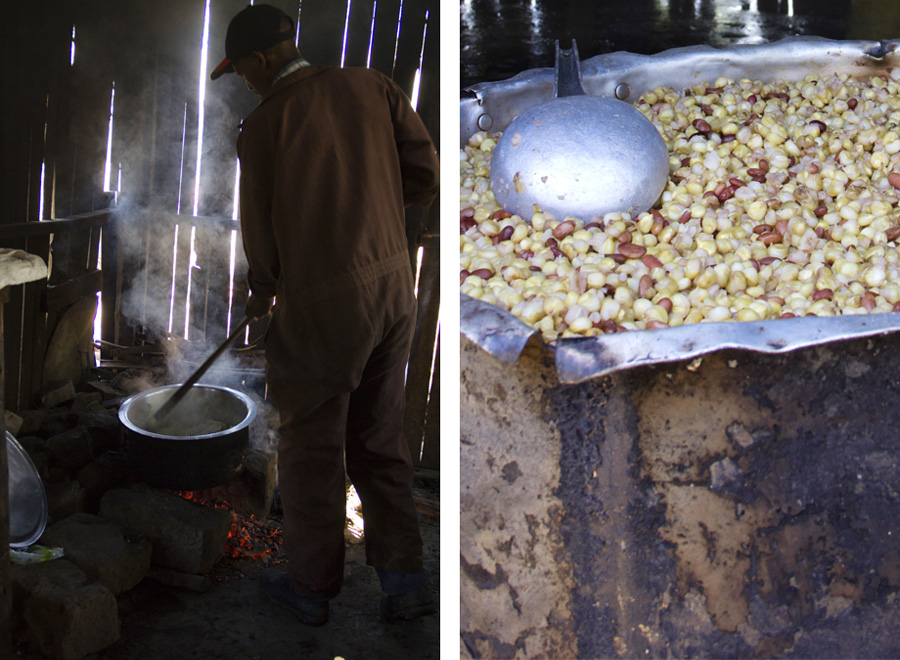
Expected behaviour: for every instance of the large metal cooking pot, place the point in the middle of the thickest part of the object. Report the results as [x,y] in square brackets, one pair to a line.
[201,444]
[493,106]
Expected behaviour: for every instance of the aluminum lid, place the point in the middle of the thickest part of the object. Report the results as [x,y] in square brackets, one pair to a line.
[27,499]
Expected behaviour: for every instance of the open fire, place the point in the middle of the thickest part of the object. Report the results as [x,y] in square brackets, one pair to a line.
[249,538]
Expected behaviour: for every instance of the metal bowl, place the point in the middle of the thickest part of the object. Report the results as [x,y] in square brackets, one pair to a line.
[27,499]
[202,443]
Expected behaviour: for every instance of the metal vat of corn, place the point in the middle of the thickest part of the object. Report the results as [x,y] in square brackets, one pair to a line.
[710,490]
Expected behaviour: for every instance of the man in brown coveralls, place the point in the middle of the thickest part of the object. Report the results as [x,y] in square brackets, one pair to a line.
[329,159]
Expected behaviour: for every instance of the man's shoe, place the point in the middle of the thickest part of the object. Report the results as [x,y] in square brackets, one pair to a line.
[409,605]
[277,586]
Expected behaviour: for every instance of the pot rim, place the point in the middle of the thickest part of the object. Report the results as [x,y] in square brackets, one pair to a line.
[125,420]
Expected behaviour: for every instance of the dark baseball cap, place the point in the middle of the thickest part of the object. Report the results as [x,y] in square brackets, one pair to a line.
[256,27]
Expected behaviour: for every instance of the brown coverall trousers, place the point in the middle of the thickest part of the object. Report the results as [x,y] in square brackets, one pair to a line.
[321,427]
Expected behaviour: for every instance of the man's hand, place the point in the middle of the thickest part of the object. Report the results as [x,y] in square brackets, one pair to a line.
[258,306]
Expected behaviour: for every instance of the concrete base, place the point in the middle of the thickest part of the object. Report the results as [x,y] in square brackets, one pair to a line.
[742,505]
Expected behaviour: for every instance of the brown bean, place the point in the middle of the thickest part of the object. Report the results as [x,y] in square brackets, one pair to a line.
[868,301]
[701,125]
[653,324]
[644,285]
[775,299]
[752,99]
[495,240]
[651,262]
[666,304]
[736,183]
[563,229]
[625,237]
[819,231]
[467,212]
[685,217]
[892,233]
[465,224]
[656,227]
[483,273]
[726,194]
[818,124]
[632,251]
[463,274]
[822,294]
[618,258]
[595,223]
[501,214]
[765,261]
[762,229]
[763,164]
[781,226]
[506,233]
[706,109]
[770,238]
[607,327]
[727,138]
[525,254]
[551,242]
[755,171]
[556,251]
[813,168]
[788,315]
[821,210]
[894,179]
[852,103]
[535,268]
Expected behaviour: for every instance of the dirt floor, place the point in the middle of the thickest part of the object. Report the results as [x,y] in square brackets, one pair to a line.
[233,619]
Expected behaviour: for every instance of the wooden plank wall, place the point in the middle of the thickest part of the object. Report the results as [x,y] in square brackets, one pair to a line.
[148,51]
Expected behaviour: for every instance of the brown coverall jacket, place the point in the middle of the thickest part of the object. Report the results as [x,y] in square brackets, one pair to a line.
[324,186]
[329,160]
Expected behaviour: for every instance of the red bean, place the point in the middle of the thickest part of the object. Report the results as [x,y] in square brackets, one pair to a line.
[770,238]
[563,229]
[632,251]
[506,233]
[651,262]
[701,125]
[463,274]
[465,224]
[501,214]
[483,273]
[868,301]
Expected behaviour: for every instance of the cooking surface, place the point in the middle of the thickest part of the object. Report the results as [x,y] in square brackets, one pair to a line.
[499,38]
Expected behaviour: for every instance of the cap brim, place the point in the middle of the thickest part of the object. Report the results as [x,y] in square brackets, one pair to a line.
[225,66]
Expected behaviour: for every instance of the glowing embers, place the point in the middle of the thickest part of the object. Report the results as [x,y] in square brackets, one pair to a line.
[249,538]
